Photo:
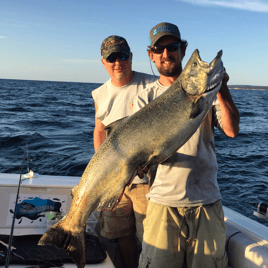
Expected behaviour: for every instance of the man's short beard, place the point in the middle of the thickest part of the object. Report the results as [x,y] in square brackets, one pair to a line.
[170,72]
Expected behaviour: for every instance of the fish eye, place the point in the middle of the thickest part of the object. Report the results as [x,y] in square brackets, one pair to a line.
[195,64]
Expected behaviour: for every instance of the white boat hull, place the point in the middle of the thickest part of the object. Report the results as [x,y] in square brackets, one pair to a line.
[247,240]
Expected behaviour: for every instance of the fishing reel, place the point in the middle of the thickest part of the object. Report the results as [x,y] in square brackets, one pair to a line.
[262,211]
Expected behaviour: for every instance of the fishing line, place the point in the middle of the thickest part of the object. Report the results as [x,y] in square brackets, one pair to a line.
[15,211]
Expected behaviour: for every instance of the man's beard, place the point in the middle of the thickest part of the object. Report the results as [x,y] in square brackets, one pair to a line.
[172,70]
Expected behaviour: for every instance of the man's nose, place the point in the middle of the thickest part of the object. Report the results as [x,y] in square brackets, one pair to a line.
[166,53]
[117,60]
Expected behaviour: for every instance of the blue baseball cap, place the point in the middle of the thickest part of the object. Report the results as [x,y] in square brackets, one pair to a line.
[163,29]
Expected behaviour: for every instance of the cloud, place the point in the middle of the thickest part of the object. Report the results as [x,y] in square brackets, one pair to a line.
[251,5]
[3,36]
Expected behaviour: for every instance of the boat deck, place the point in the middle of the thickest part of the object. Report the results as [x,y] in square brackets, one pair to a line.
[247,240]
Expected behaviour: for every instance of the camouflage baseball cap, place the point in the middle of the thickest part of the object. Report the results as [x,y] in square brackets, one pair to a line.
[114,44]
[162,29]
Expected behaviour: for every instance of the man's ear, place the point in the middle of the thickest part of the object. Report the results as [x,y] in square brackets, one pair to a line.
[151,55]
[183,51]
[103,61]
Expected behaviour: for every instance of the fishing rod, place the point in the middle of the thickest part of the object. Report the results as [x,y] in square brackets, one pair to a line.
[15,211]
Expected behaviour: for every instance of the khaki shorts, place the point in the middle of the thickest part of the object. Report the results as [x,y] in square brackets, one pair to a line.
[128,216]
[184,237]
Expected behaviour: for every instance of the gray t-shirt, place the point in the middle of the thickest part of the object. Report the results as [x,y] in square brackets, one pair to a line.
[115,103]
[188,177]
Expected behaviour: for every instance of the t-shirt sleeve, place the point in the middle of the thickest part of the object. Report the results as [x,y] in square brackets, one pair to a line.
[147,95]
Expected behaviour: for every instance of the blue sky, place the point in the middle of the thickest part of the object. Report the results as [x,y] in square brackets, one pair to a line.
[59,40]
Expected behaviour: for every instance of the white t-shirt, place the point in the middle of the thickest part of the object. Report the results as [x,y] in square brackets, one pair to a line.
[188,177]
[115,103]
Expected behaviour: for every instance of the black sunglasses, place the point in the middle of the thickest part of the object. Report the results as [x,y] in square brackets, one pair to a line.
[170,48]
[121,56]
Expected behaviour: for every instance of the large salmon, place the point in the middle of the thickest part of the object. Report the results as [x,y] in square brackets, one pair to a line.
[146,138]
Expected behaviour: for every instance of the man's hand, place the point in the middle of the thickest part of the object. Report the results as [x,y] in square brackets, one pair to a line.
[225,78]
[224,87]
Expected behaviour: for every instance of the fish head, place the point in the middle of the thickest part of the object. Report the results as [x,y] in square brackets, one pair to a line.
[199,77]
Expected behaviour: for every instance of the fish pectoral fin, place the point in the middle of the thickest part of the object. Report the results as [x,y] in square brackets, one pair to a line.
[113,126]
[73,243]
[198,108]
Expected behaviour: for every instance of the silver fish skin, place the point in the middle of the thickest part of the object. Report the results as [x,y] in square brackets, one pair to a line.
[147,138]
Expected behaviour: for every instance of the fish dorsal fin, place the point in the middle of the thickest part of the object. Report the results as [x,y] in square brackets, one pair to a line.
[110,200]
[112,197]
[113,126]
[109,204]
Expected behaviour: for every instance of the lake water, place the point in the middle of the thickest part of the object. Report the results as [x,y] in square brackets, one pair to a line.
[56,120]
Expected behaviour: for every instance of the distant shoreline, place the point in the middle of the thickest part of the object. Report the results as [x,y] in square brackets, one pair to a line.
[244,87]
[247,87]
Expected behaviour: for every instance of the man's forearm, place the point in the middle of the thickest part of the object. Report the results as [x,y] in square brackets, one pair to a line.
[98,138]
[229,113]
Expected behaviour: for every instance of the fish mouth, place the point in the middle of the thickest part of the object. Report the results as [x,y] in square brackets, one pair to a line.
[214,64]
[215,87]
[212,90]
[215,72]
[216,77]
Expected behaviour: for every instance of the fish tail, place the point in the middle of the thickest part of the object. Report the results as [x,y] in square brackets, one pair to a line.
[72,242]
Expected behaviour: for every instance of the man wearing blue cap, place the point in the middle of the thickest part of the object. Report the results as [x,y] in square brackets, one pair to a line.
[113,101]
[184,225]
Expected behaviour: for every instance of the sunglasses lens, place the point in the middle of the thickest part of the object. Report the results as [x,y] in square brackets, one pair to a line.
[170,48]
[173,47]
[123,56]
[112,58]
[158,49]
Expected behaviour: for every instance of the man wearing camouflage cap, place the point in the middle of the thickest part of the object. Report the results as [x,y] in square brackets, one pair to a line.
[113,101]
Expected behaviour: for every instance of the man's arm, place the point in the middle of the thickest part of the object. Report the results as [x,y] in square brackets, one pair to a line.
[99,134]
[229,113]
